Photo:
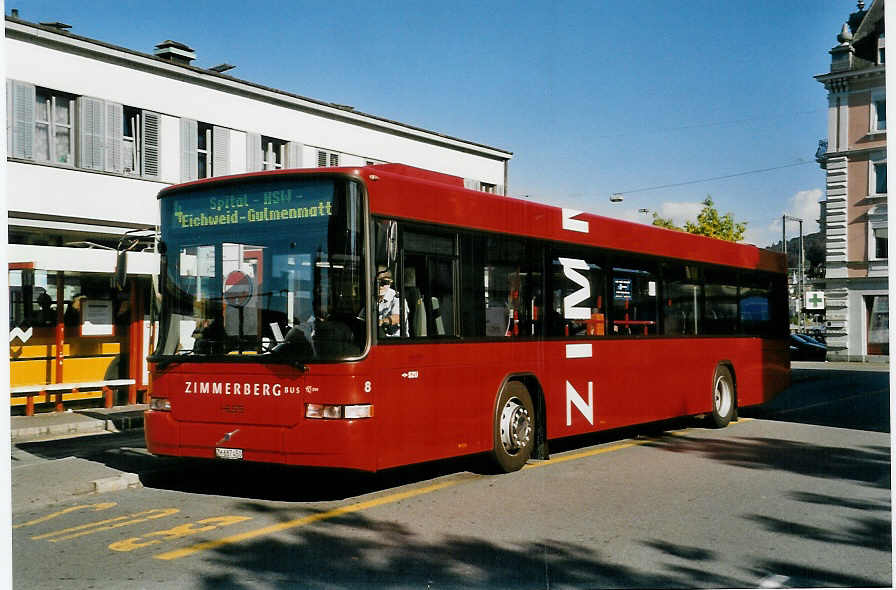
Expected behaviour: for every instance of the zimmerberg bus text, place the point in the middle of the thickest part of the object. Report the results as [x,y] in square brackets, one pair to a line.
[221,388]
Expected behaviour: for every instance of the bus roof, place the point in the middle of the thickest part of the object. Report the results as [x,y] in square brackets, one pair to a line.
[406,192]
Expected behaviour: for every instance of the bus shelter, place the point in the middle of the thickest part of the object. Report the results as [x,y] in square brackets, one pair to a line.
[75,338]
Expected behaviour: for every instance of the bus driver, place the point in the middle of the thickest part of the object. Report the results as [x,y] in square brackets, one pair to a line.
[387,306]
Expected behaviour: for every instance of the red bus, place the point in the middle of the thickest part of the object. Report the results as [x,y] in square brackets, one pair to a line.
[379,316]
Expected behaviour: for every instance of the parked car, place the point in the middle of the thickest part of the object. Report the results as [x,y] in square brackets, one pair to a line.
[806,348]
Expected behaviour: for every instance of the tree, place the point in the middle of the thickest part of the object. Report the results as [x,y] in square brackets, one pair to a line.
[665,222]
[709,223]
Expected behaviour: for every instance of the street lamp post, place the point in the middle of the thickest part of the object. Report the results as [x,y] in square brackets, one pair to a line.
[801,287]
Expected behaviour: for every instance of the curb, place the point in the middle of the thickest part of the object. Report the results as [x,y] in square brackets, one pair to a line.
[47,426]
[70,429]
[120,482]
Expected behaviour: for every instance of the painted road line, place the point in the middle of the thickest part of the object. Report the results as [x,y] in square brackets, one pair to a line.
[611,448]
[390,499]
[104,525]
[305,520]
[178,532]
[96,508]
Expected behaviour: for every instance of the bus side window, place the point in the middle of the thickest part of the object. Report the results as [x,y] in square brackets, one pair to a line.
[682,293]
[578,285]
[720,313]
[512,288]
[634,299]
[755,305]
[427,285]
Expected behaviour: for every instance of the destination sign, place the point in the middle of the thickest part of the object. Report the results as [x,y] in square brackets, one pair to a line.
[243,208]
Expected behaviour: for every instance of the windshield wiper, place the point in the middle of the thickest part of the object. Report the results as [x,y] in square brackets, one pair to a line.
[279,355]
[177,357]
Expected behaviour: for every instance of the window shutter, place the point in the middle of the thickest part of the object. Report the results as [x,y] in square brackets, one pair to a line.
[23,97]
[149,140]
[189,161]
[321,158]
[499,189]
[471,184]
[9,117]
[114,134]
[334,159]
[91,133]
[253,152]
[294,154]
[221,151]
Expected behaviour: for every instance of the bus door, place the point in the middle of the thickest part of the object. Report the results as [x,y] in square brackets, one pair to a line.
[421,372]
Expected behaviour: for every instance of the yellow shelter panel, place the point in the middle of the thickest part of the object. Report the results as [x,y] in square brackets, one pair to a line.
[42,371]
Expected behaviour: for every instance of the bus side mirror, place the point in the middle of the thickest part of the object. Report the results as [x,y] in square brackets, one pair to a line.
[121,271]
[391,243]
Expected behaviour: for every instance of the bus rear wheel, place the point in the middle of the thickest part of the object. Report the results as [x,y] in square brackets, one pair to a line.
[514,428]
[723,397]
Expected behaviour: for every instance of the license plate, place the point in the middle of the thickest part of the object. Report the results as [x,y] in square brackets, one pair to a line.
[228,453]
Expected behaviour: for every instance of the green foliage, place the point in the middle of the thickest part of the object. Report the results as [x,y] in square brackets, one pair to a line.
[709,223]
[664,222]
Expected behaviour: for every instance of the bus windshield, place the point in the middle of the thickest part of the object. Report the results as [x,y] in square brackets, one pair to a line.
[269,269]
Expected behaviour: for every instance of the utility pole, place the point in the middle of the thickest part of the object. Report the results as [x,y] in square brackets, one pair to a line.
[801,284]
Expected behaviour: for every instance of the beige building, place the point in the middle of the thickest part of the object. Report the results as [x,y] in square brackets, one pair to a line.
[856,290]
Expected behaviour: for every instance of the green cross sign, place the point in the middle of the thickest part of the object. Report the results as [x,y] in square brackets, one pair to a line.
[815,300]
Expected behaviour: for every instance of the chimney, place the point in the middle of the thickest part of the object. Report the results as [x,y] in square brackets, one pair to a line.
[61,27]
[175,52]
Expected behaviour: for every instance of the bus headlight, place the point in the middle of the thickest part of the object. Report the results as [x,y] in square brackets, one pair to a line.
[336,412]
[160,404]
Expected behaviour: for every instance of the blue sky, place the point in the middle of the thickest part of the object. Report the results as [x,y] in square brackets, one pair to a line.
[591,97]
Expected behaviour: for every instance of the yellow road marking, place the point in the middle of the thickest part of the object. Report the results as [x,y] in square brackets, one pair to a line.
[96,508]
[104,525]
[390,499]
[311,518]
[611,448]
[180,531]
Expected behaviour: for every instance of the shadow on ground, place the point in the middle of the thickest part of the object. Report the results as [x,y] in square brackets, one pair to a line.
[357,551]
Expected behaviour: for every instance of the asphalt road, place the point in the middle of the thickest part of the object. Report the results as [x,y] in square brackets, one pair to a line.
[796,494]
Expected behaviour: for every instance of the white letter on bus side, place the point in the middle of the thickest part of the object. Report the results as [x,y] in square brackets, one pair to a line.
[571,266]
[574,399]
[570,223]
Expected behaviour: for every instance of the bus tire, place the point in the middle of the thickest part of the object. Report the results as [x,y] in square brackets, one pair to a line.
[514,428]
[723,397]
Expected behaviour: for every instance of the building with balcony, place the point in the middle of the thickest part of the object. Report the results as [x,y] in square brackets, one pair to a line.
[855,207]
[94,131]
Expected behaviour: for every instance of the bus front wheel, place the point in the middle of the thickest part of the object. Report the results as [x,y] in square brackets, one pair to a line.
[514,428]
[723,397]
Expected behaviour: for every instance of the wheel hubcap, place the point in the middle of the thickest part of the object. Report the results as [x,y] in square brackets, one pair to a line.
[722,397]
[516,426]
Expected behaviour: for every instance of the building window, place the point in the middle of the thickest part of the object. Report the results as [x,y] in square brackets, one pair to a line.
[205,150]
[881,50]
[878,112]
[270,153]
[325,158]
[273,153]
[877,174]
[878,324]
[54,140]
[880,243]
[877,232]
[49,126]
[132,141]
[487,187]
